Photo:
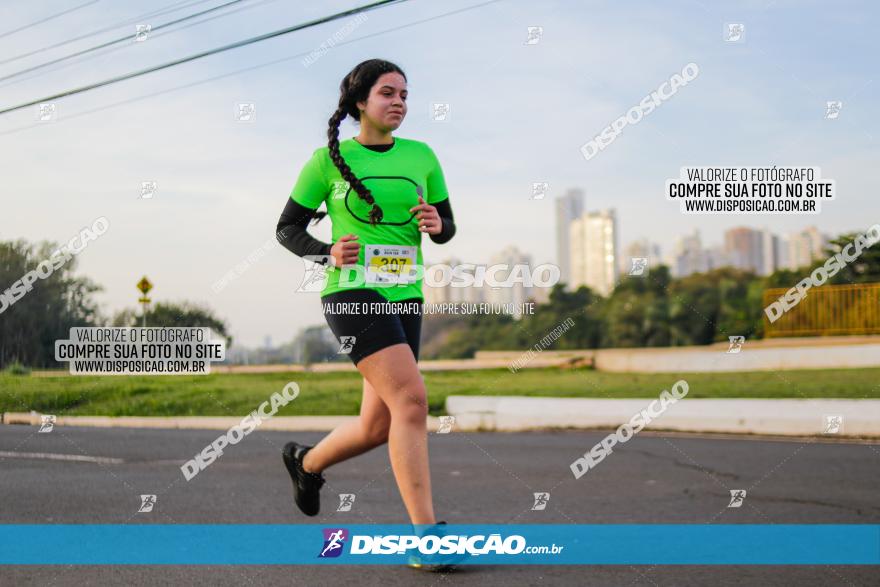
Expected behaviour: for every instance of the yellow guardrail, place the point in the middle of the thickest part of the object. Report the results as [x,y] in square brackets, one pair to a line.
[828,309]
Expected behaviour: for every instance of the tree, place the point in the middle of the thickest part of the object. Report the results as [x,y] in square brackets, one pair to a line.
[864,269]
[175,314]
[637,313]
[739,307]
[31,323]
[693,310]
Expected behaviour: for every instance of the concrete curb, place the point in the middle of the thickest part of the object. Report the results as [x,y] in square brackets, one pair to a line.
[288,423]
[784,417]
[777,417]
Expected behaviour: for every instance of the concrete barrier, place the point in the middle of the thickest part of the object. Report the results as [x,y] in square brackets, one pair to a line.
[773,354]
[750,358]
[760,416]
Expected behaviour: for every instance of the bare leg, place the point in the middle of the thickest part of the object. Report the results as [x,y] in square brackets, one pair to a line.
[368,431]
[394,374]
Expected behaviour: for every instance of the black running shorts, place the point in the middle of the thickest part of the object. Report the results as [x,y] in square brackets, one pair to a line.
[373,321]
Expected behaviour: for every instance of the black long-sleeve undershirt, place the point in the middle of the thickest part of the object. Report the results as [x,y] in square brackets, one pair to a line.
[447,222]
[292,233]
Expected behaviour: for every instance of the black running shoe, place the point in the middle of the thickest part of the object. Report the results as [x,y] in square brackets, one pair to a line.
[305,485]
[435,563]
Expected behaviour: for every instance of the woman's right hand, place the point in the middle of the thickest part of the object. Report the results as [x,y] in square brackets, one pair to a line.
[345,250]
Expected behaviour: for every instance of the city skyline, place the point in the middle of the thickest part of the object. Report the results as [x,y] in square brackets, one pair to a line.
[221,183]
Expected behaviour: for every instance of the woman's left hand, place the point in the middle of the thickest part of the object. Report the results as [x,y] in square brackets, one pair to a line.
[429,219]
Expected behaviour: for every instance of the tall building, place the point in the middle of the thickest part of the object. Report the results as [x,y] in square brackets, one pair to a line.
[568,208]
[594,251]
[715,257]
[452,292]
[744,247]
[516,293]
[805,246]
[771,252]
[689,257]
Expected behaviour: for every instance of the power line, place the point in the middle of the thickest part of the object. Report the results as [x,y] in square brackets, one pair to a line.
[116,41]
[236,45]
[47,19]
[134,19]
[118,48]
[242,70]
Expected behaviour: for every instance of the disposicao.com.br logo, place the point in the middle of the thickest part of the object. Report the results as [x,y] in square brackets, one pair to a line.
[335,540]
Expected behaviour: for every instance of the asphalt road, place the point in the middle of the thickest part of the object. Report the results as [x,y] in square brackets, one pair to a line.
[477,478]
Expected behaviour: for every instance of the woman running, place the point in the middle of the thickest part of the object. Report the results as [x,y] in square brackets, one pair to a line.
[382,193]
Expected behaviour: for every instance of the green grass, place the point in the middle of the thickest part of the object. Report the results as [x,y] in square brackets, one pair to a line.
[340,393]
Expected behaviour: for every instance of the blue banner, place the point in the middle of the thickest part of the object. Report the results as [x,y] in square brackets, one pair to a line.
[371,544]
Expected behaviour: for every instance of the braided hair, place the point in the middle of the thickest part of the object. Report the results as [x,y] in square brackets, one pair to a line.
[355,87]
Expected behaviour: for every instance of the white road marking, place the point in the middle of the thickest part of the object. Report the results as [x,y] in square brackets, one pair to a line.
[59,457]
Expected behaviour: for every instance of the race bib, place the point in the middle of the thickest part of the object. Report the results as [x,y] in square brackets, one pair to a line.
[390,264]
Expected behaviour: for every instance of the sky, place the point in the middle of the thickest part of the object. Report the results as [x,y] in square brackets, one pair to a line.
[519,114]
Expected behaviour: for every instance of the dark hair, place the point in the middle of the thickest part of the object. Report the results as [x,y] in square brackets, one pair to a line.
[355,87]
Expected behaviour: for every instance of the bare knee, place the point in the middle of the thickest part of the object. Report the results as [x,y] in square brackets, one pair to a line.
[411,406]
[376,433]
